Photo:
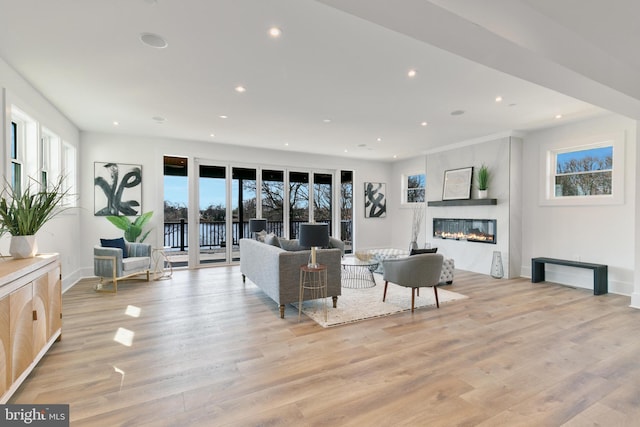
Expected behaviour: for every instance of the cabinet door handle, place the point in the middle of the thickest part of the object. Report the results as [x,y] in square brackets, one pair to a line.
[35,315]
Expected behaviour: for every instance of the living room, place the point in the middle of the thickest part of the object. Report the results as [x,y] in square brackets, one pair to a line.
[528,226]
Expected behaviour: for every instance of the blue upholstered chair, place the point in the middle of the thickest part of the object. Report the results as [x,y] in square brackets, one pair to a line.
[112,264]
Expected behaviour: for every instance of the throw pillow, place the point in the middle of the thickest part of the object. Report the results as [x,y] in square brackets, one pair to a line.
[423,251]
[115,243]
[290,245]
[272,239]
[260,235]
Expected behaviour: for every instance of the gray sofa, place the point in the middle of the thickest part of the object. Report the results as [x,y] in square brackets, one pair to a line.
[277,271]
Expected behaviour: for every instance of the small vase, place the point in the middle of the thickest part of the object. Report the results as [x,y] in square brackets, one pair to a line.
[483,194]
[23,247]
[496,265]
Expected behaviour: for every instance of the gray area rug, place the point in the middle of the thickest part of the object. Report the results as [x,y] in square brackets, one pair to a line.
[361,304]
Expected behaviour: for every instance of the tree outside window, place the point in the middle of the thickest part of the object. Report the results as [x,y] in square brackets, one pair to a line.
[586,172]
[415,188]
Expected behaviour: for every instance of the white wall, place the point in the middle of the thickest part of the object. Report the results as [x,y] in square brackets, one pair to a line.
[599,234]
[62,233]
[149,152]
[474,256]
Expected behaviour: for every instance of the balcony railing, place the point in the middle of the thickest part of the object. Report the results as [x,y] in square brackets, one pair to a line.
[213,234]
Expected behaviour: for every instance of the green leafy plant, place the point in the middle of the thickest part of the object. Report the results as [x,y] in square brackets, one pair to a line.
[23,213]
[483,177]
[132,229]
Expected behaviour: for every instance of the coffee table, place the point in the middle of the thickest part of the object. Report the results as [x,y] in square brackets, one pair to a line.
[357,274]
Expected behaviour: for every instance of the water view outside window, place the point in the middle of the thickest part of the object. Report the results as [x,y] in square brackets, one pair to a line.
[584,172]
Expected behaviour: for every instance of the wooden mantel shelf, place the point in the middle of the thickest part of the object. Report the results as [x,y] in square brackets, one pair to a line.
[464,202]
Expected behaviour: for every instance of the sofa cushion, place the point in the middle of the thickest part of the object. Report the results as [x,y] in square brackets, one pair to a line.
[290,245]
[272,239]
[115,243]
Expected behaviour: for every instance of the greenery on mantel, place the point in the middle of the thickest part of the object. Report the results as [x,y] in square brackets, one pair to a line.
[483,178]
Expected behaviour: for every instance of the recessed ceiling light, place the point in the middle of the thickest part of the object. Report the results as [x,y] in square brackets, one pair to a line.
[379,139]
[558,116]
[158,119]
[116,123]
[241,89]
[212,135]
[224,117]
[346,151]
[412,72]
[457,112]
[498,99]
[286,144]
[153,40]
[275,32]
[424,124]
[327,120]
[395,156]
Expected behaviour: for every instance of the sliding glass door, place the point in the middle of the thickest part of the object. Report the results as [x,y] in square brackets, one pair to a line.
[298,201]
[213,232]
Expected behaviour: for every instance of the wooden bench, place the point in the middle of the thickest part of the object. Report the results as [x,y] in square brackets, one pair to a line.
[600,272]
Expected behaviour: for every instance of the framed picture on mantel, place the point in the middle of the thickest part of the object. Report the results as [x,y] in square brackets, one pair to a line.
[457,184]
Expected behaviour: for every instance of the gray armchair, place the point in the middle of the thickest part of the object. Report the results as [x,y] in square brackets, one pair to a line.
[414,272]
[110,266]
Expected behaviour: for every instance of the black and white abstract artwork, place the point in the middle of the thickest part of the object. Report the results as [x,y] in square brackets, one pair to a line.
[118,189]
[375,201]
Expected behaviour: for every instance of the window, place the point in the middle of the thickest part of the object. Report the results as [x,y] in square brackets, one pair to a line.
[68,171]
[49,161]
[591,172]
[414,188]
[585,172]
[17,139]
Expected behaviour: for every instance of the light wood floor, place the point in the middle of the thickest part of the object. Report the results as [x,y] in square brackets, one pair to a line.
[206,350]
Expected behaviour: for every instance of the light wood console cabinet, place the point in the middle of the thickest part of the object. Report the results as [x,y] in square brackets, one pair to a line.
[30,316]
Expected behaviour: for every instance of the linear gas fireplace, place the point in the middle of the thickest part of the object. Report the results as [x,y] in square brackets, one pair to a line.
[471,230]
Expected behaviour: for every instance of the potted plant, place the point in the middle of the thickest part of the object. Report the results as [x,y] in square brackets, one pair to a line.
[483,181]
[23,213]
[132,229]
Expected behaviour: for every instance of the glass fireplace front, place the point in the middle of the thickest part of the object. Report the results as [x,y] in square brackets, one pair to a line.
[471,230]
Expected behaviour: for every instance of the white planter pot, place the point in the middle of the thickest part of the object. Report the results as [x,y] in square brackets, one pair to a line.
[23,246]
[483,194]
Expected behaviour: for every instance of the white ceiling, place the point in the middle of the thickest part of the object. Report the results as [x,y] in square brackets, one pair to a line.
[340,60]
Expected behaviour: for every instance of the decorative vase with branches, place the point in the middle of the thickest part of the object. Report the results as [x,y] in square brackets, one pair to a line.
[416,224]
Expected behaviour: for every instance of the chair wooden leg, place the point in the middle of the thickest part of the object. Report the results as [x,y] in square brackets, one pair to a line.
[435,291]
[413,298]
[384,295]
[335,301]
